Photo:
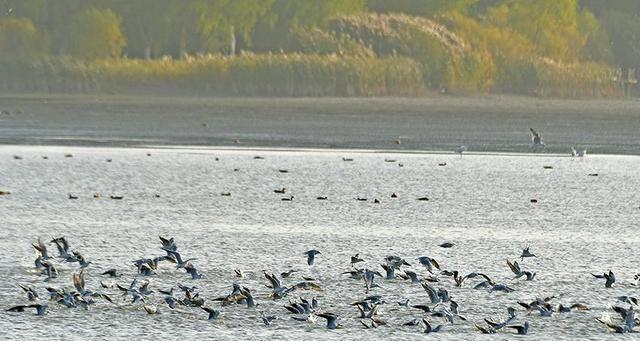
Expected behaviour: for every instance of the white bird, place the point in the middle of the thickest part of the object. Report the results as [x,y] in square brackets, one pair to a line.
[461,149]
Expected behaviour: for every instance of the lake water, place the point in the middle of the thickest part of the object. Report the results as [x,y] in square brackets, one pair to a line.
[580,224]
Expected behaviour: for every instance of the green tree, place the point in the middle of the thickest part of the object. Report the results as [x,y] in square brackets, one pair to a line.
[421,7]
[624,33]
[273,29]
[96,34]
[19,39]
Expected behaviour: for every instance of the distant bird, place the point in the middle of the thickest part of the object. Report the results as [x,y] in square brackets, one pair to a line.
[311,256]
[268,319]
[347,159]
[398,140]
[41,309]
[526,254]
[32,295]
[151,309]
[213,314]
[428,263]
[515,268]
[521,330]
[428,329]
[332,320]
[609,277]
[461,149]
[536,138]
[447,245]
[72,197]
[356,259]
[111,273]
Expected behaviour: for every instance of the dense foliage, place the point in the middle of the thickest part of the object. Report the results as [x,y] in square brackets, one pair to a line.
[545,47]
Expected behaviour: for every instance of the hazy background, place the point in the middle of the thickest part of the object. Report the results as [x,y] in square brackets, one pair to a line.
[560,48]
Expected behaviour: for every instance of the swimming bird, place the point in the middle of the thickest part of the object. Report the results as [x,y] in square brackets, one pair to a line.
[213,314]
[394,195]
[447,245]
[428,329]
[321,198]
[536,138]
[289,273]
[485,330]
[609,277]
[521,330]
[287,199]
[501,287]
[332,320]
[356,259]
[311,256]
[151,309]
[268,319]
[280,191]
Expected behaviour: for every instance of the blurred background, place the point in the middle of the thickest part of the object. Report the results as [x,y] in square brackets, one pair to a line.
[559,48]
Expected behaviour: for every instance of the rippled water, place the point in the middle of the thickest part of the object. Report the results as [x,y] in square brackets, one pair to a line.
[580,224]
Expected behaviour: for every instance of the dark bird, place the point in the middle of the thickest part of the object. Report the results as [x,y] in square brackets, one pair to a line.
[526,253]
[609,277]
[311,256]
[521,330]
[332,320]
[41,309]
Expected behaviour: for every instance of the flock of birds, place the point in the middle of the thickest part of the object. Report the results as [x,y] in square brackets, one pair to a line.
[441,307]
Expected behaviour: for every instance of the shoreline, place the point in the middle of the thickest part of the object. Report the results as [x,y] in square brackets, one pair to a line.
[485,124]
[289,150]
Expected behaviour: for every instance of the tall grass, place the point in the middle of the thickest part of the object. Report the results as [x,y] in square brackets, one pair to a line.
[248,75]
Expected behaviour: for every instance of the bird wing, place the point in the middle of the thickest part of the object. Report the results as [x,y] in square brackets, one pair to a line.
[433,294]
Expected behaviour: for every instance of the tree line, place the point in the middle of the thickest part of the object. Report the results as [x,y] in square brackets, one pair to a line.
[465,44]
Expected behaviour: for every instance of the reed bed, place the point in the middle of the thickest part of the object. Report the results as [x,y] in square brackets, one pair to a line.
[269,74]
